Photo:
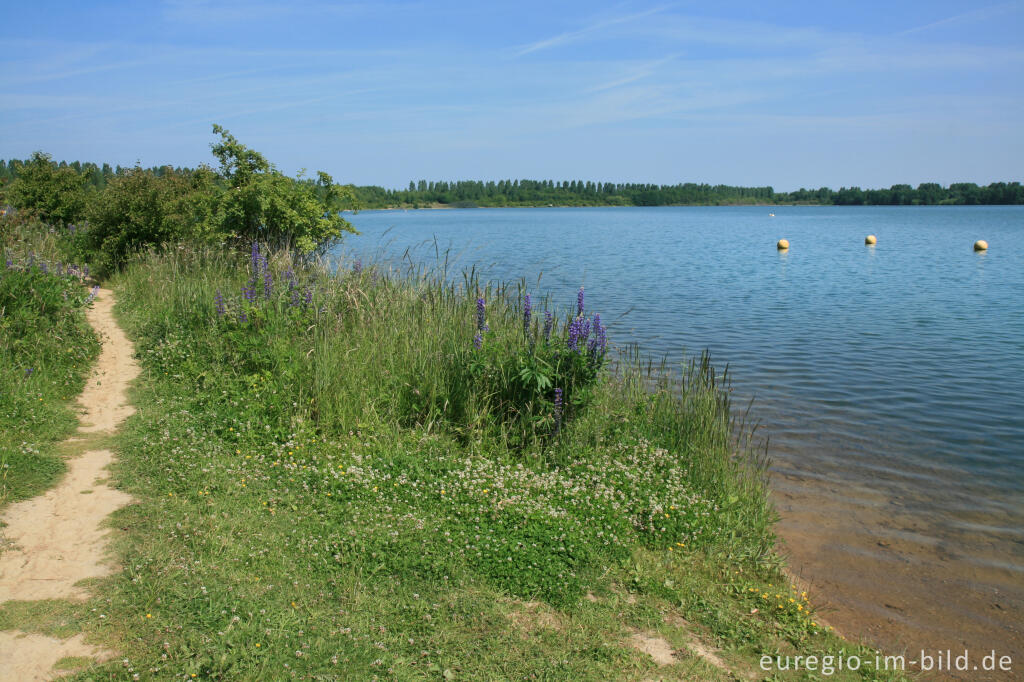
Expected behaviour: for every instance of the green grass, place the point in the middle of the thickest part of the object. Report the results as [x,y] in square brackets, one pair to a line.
[348,489]
[46,351]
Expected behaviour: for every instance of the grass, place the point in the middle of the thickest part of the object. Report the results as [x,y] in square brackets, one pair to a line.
[340,485]
[46,351]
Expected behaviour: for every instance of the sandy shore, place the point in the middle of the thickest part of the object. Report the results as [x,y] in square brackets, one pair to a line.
[885,571]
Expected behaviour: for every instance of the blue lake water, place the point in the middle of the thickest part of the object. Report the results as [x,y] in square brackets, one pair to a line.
[891,375]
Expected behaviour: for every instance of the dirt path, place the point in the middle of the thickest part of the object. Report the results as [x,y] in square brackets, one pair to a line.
[58,539]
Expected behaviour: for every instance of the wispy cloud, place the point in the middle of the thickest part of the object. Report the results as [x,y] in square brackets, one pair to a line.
[974,15]
[573,36]
[639,73]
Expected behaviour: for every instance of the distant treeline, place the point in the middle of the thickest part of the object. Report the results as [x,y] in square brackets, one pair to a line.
[470,193]
[579,193]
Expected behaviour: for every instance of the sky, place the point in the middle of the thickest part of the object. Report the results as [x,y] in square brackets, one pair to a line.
[787,94]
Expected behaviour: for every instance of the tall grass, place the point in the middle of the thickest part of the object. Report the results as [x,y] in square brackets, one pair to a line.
[310,352]
[46,351]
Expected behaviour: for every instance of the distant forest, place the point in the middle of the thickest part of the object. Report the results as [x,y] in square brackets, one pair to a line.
[472,193]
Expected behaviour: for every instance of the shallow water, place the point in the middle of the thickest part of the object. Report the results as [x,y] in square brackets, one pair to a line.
[889,379]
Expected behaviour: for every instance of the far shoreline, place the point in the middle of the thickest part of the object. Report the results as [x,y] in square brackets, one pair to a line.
[449,207]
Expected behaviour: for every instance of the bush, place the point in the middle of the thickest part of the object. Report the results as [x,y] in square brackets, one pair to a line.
[139,209]
[536,378]
[55,195]
[264,205]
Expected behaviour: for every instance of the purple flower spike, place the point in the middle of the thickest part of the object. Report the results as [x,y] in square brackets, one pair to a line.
[481,315]
[220,304]
[242,317]
[573,342]
[307,299]
[549,323]
[357,268]
[579,302]
[599,341]
[249,293]
[478,341]
[527,312]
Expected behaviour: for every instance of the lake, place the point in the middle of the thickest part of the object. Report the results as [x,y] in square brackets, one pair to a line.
[888,379]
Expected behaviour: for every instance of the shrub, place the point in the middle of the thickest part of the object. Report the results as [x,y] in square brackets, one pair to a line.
[261,204]
[539,376]
[54,194]
[139,209]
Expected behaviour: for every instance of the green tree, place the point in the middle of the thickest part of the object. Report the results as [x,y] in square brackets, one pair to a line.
[139,209]
[54,194]
[263,204]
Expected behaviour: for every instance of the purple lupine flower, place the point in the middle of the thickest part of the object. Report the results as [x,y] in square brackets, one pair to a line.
[549,323]
[290,276]
[574,335]
[307,297]
[597,343]
[249,293]
[10,263]
[478,341]
[584,329]
[600,334]
[558,410]
[242,317]
[357,268]
[527,311]
[219,298]
[28,372]
[268,283]
[481,315]
[579,302]
[295,298]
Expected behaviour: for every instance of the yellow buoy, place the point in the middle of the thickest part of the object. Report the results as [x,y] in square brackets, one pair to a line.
[981,245]
[870,240]
[783,244]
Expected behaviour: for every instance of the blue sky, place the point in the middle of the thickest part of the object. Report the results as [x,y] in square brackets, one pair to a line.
[786,94]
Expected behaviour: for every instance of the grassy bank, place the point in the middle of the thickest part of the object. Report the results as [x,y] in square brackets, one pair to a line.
[358,476]
[46,351]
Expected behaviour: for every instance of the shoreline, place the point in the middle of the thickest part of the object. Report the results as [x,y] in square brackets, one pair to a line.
[889,579]
[449,207]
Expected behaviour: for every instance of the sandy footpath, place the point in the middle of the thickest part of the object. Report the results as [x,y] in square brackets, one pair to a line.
[52,542]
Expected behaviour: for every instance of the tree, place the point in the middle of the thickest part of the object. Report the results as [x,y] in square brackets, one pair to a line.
[139,209]
[54,194]
[263,204]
